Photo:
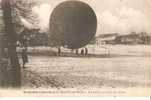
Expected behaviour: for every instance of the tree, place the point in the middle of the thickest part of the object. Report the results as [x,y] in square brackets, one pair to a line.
[22,9]
[143,36]
[13,12]
[10,74]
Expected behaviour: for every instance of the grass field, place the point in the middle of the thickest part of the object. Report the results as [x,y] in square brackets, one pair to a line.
[115,66]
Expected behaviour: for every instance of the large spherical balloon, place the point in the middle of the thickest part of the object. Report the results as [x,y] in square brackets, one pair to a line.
[72,24]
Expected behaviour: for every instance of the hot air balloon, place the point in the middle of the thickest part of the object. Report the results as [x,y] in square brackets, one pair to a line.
[72,25]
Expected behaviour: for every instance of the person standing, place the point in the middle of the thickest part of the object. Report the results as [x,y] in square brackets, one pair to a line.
[86,51]
[24,56]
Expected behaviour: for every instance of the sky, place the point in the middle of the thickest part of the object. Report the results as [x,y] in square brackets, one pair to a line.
[114,16]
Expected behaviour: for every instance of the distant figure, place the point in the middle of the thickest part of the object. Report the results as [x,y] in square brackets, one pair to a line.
[86,51]
[59,51]
[82,52]
[24,56]
[77,51]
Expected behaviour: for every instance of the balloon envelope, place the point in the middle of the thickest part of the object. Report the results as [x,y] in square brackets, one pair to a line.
[72,24]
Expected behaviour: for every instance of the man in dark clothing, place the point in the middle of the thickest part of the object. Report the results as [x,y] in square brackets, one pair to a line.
[23,45]
[24,56]
[82,52]
[86,51]
[77,51]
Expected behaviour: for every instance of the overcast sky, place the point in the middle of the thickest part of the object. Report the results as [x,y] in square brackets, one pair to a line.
[121,16]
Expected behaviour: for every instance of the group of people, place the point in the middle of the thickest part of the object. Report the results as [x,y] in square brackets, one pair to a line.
[84,51]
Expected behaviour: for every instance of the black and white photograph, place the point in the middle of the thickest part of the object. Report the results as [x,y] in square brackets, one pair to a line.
[80,45]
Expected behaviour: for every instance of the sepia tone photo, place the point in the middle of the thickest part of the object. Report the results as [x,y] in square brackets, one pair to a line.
[88,47]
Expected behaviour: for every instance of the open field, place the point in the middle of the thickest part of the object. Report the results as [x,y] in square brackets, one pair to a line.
[106,66]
